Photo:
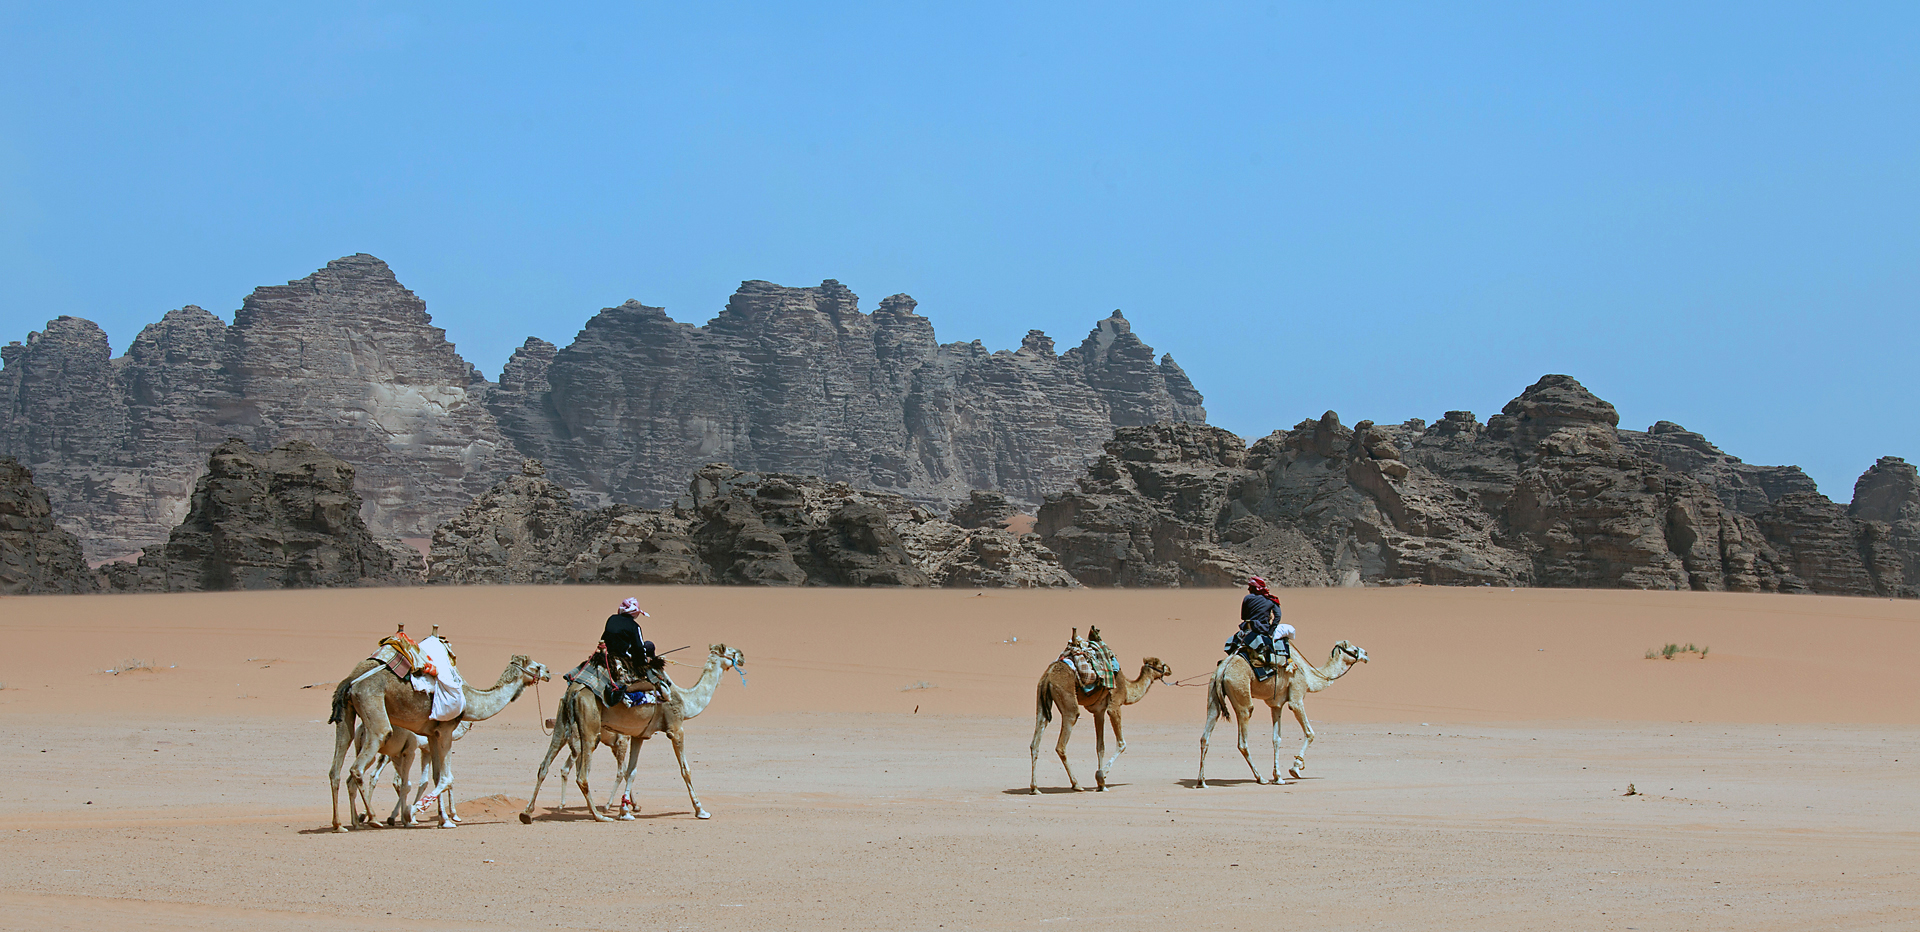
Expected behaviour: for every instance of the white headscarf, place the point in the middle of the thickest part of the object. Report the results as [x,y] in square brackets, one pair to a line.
[632,607]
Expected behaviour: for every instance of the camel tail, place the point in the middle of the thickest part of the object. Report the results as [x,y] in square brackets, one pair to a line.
[1045,702]
[1217,694]
[339,701]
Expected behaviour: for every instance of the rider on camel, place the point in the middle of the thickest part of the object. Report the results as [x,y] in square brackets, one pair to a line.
[629,655]
[1260,629]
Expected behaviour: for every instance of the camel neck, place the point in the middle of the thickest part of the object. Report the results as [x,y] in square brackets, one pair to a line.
[694,699]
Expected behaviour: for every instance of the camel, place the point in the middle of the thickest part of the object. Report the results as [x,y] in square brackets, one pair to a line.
[1234,688]
[405,747]
[386,703]
[584,720]
[1060,687]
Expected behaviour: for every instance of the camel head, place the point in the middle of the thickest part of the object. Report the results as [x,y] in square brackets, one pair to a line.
[729,657]
[530,670]
[1352,653]
[1156,669]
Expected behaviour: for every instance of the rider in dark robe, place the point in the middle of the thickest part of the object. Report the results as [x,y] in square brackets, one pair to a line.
[1260,627]
[629,655]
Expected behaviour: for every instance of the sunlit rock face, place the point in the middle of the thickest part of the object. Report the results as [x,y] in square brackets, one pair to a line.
[1550,492]
[795,380]
[799,380]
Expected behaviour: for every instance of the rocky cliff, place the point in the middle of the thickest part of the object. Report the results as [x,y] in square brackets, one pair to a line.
[732,527]
[35,555]
[346,358]
[794,380]
[1550,492]
[285,519]
[799,380]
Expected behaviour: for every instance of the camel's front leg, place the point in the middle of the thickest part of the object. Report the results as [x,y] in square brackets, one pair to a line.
[1100,761]
[1300,760]
[439,746]
[1273,712]
[679,739]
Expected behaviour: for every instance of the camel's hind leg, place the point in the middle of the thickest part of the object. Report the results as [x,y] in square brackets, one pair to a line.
[1216,707]
[1242,716]
[342,742]
[679,739]
[1041,717]
[1069,713]
[623,787]
[563,723]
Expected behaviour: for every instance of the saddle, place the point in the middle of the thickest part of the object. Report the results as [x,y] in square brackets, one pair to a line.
[1093,662]
[1265,661]
[594,674]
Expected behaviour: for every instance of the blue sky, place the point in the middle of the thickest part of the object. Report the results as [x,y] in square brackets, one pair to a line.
[1708,213]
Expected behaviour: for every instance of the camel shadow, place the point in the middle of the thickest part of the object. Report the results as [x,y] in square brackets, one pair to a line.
[1228,781]
[1056,790]
[579,814]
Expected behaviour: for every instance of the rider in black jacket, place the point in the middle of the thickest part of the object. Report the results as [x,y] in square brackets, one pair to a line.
[628,653]
[1260,623]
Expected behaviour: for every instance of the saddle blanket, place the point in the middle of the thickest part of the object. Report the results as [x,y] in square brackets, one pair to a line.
[594,678]
[1093,663]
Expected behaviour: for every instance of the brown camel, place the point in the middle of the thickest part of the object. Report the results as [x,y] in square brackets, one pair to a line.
[1234,687]
[387,703]
[584,721]
[1060,687]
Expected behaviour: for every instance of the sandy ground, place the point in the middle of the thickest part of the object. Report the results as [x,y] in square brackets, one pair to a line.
[872,772]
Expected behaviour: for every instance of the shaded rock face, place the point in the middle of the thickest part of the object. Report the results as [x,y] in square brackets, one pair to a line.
[794,380]
[35,555]
[1548,493]
[732,527]
[285,519]
[346,358]
[800,381]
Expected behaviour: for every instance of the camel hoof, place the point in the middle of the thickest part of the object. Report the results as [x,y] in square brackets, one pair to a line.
[626,817]
[341,829]
[703,814]
[1295,773]
[526,818]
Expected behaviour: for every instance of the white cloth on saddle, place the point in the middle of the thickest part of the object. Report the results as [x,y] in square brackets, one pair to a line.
[449,698]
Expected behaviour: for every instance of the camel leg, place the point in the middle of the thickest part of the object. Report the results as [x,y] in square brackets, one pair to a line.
[679,740]
[584,737]
[553,750]
[1039,729]
[1215,706]
[623,787]
[439,745]
[342,741]
[378,731]
[1300,759]
[1100,751]
[1242,715]
[1273,712]
[1068,714]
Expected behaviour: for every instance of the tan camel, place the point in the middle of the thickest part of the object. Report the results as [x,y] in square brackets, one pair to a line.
[584,719]
[1234,687]
[386,703]
[1060,687]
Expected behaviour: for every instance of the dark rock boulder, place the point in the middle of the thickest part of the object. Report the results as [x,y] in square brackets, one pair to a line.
[1888,494]
[285,519]
[523,530]
[36,556]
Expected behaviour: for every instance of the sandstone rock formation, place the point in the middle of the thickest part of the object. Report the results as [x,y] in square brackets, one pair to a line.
[732,527]
[794,380]
[1547,493]
[285,519]
[799,380]
[346,358]
[35,556]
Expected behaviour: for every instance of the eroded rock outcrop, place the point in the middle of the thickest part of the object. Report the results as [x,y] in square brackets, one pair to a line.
[288,518]
[732,527]
[792,380]
[36,556]
[1547,493]
[800,381]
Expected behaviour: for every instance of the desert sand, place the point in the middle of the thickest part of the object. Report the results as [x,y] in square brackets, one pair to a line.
[166,762]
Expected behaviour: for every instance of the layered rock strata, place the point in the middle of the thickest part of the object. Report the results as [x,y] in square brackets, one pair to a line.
[36,556]
[799,380]
[1550,492]
[793,380]
[285,519]
[731,527]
